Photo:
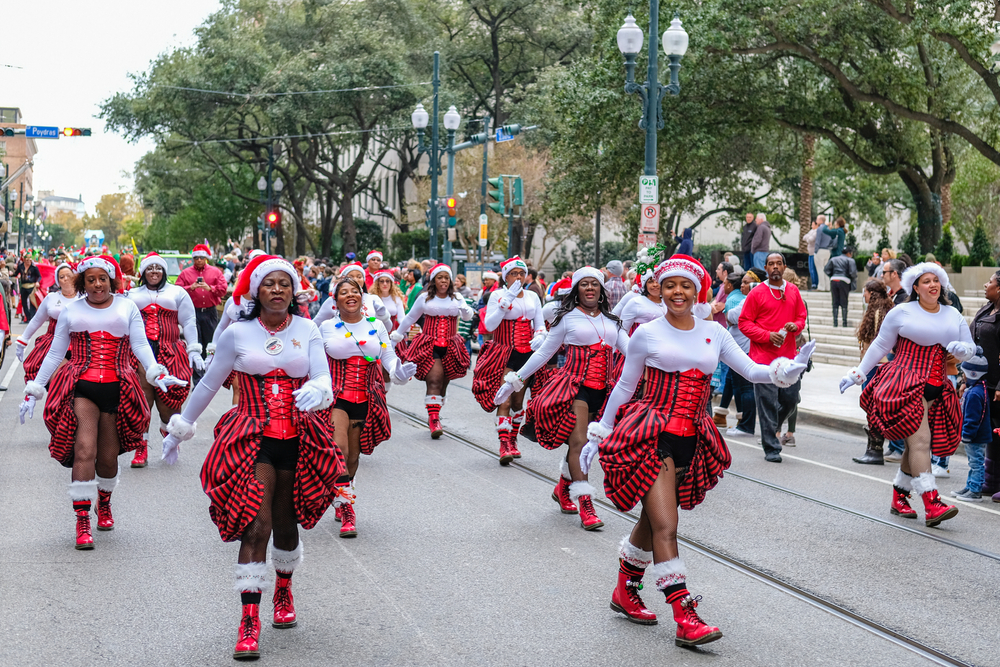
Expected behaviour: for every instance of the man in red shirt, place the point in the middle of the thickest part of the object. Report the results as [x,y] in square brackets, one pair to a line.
[374,260]
[206,285]
[773,313]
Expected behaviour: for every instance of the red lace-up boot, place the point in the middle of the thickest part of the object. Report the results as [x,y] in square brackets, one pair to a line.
[516,420]
[935,511]
[141,457]
[901,487]
[504,428]
[105,486]
[285,563]
[83,494]
[561,492]
[671,578]
[433,404]
[625,599]
[581,493]
[248,637]
[345,502]
[336,513]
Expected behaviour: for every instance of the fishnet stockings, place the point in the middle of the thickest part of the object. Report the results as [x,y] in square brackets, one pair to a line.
[656,530]
[277,514]
[97,445]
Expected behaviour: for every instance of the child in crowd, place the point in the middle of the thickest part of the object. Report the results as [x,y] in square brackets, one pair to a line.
[975,426]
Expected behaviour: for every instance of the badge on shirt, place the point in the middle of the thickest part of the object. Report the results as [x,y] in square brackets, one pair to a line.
[273,346]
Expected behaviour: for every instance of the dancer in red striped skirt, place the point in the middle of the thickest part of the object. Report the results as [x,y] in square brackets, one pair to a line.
[514,317]
[664,450]
[910,398]
[358,348]
[166,309]
[96,410]
[577,391]
[273,465]
[385,288]
[439,352]
[371,305]
[48,313]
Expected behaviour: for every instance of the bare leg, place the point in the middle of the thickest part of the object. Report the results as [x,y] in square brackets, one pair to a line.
[435,379]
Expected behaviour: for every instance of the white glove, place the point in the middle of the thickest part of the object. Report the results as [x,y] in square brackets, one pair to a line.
[197,362]
[404,372]
[512,383]
[587,455]
[853,377]
[510,294]
[210,354]
[597,432]
[19,349]
[181,428]
[805,353]
[396,336]
[961,351]
[467,311]
[538,339]
[32,388]
[27,408]
[311,396]
[158,375]
[171,448]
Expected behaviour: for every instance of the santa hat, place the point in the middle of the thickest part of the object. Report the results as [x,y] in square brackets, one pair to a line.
[151,259]
[688,267]
[561,287]
[587,272]
[105,262]
[353,266]
[912,275]
[438,268]
[490,275]
[201,250]
[383,274]
[64,265]
[261,265]
[256,252]
[509,265]
[374,254]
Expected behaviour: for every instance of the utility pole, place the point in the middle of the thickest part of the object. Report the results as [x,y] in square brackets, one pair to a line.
[435,164]
[482,201]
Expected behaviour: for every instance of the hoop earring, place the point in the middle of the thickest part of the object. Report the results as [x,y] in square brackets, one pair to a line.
[603,298]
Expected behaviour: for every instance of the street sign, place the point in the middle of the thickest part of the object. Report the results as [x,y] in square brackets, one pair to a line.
[504,134]
[649,190]
[650,219]
[484,229]
[41,132]
[646,240]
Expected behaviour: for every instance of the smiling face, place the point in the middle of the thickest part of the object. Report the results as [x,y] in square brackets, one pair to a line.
[153,275]
[515,274]
[928,288]
[275,292]
[653,287]
[589,291]
[349,299]
[679,295]
[66,281]
[97,285]
[384,286]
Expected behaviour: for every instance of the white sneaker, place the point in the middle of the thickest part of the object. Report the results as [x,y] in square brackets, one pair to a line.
[738,432]
[893,457]
[938,471]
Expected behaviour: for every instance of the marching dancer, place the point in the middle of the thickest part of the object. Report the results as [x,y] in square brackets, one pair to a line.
[231,312]
[48,312]
[273,465]
[96,410]
[910,398]
[438,352]
[356,346]
[371,306]
[576,393]
[166,310]
[665,450]
[385,288]
[514,317]
[645,307]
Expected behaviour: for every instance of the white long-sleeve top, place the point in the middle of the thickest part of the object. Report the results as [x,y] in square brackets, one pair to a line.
[436,307]
[549,310]
[121,318]
[576,328]
[394,307]
[624,301]
[230,313]
[910,320]
[169,297]
[50,308]
[659,345]
[360,343]
[527,306]
[241,348]
[370,305]
[640,311]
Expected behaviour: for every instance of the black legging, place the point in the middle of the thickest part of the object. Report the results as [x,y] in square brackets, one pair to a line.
[27,308]
[840,290]
[207,320]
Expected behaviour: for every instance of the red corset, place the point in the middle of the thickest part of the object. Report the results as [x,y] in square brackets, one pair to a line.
[682,395]
[596,376]
[103,350]
[355,388]
[441,328]
[151,321]
[280,404]
[52,326]
[516,333]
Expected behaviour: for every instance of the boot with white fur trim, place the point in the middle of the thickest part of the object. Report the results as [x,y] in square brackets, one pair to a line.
[251,580]
[516,420]
[901,487]
[105,486]
[83,494]
[581,493]
[632,563]
[433,404]
[935,511]
[561,492]
[285,563]
[504,428]
[671,578]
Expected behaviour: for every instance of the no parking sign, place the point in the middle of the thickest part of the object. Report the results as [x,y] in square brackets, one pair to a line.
[650,220]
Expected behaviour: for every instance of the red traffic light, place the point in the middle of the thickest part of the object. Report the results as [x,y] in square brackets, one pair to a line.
[451,203]
[76,131]
[274,219]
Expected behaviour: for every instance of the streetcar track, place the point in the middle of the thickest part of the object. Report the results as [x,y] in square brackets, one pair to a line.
[833,608]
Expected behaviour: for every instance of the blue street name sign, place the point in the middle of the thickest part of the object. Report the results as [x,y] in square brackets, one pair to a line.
[503,135]
[39,132]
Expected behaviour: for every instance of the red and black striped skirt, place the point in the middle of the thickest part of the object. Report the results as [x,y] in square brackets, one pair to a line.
[228,474]
[172,353]
[493,359]
[377,428]
[34,360]
[629,455]
[456,360]
[551,408]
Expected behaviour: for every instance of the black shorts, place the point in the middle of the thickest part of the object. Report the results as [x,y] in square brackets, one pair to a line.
[440,352]
[155,344]
[281,454]
[355,411]
[517,360]
[676,447]
[594,398]
[105,395]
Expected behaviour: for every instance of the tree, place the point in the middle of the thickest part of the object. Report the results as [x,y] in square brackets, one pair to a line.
[981,252]
[110,213]
[975,196]
[805,199]
[946,246]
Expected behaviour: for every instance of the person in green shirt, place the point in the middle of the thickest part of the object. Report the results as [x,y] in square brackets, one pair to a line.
[839,234]
[413,286]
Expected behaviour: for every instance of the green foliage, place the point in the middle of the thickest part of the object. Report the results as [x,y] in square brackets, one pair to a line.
[975,194]
[883,240]
[958,261]
[370,237]
[981,251]
[414,244]
[910,244]
[946,245]
[583,254]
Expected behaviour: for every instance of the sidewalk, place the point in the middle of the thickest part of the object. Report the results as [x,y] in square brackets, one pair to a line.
[822,403]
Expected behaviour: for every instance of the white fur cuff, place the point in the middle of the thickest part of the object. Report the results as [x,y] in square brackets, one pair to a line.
[517,416]
[598,432]
[581,488]
[669,573]
[32,388]
[83,490]
[251,577]
[903,480]
[514,380]
[564,470]
[633,555]
[155,371]
[286,561]
[107,485]
[181,428]
[504,424]
[431,399]
[924,482]
[193,348]
[777,371]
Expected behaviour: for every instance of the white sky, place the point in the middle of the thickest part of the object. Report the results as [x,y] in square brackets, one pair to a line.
[73,56]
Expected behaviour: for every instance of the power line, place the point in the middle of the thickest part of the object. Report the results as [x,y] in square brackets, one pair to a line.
[195,142]
[293,92]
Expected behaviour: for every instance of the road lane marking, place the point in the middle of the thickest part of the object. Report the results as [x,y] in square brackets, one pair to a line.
[7,378]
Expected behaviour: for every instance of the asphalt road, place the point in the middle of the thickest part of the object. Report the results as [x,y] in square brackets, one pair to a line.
[461,562]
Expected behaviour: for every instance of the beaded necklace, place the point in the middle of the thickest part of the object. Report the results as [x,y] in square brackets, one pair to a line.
[371,332]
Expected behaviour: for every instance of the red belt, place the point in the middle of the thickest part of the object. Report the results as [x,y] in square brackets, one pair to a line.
[280,404]
[103,351]
[355,388]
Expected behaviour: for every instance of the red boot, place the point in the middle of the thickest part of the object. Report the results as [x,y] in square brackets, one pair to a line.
[141,457]
[581,492]
[504,428]
[104,519]
[84,539]
[901,504]
[516,419]
[433,404]
[285,563]
[935,511]
[632,563]
[336,513]
[247,646]
[691,630]
[348,528]
[561,492]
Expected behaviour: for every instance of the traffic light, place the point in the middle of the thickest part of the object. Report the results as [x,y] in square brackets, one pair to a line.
[497,194]
[76,132]
[450,204]
[518,196]
[273,219]
[7,131]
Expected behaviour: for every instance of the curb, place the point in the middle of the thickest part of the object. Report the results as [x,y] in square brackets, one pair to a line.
[845,424]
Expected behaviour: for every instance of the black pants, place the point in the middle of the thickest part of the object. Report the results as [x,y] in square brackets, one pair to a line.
[207,320]
[840,290]
[27,308]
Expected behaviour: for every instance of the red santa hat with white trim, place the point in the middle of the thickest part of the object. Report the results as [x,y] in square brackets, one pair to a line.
[353,266]
[261,265]
[106,262]
[201,250]
[150,260]
[374,254]
[438,268]
[509,265]
[685,266]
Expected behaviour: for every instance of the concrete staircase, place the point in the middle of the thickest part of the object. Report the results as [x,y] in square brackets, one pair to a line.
[837,345]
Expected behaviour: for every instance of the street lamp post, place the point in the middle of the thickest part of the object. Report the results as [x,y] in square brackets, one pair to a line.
[270,192]
[420,119]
